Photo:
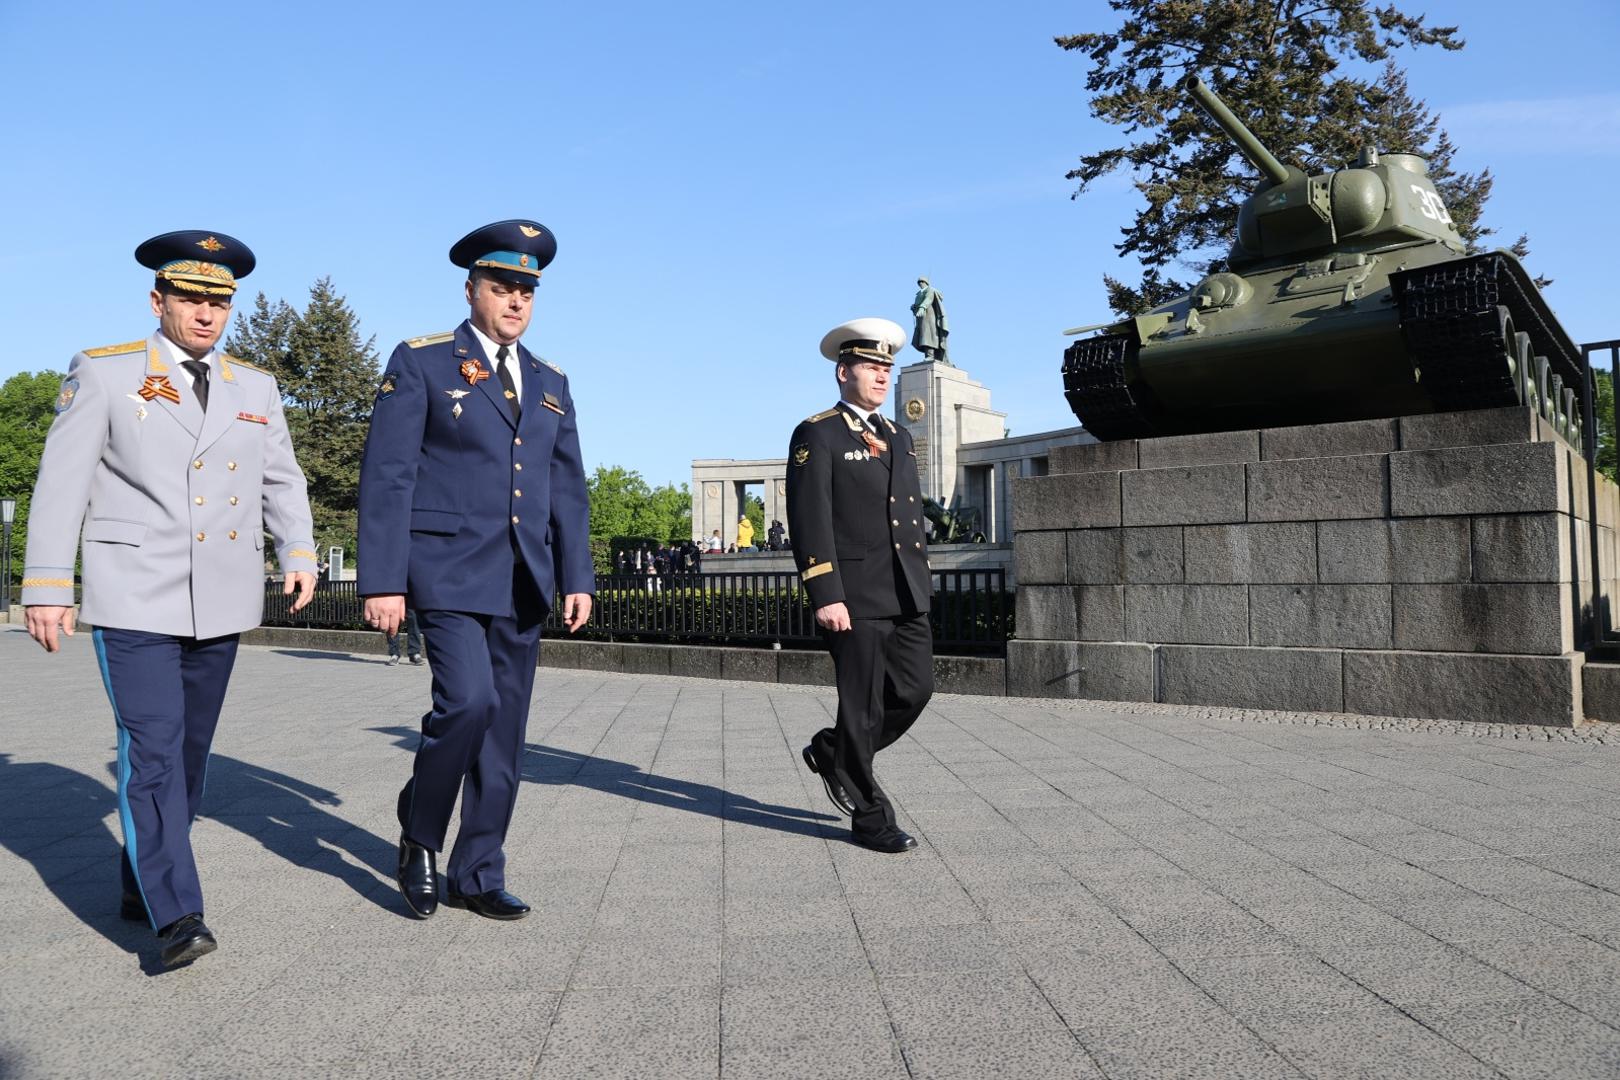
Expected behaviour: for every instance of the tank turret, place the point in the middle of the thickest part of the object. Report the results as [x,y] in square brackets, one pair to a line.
[1346,295]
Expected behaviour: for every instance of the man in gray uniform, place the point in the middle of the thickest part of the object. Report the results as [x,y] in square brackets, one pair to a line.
[174,458]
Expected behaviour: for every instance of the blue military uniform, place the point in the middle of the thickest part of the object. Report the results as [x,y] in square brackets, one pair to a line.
[174,466]
[476,512]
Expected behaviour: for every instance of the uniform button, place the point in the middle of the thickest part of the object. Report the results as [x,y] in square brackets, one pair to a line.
[197,464]
[514,519]
[517,493]
[914,521]
[517,442]
[891,498]
[201,537]
[917,545]
[896,524]
[232,534]
[897,547]
[198,500]
[911,498]
[233,500]
[231,465]
[518,465]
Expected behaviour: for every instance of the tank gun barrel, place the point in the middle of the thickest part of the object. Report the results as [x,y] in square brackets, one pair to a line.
[1252,148]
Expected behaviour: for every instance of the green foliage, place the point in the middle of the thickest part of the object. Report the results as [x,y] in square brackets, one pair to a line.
[754,511]
[1313,79]
[328,378]
[623,504]
[1603,405]
[27,407]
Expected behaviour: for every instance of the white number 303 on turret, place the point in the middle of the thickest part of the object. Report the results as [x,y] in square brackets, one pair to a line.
[1431,205]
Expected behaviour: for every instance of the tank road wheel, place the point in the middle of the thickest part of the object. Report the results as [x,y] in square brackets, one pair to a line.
[1524,366]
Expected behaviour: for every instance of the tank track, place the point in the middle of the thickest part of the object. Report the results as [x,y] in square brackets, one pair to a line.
[1453,330]
[1096,385]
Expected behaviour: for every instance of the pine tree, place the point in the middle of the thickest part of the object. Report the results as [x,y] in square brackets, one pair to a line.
[328,380]
[1315,81]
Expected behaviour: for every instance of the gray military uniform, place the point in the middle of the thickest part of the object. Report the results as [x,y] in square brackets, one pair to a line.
[174,502]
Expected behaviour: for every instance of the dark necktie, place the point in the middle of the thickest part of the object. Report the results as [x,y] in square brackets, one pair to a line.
[199,380]
[504,373]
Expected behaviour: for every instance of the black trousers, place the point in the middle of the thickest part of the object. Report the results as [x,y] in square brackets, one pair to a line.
[885,675]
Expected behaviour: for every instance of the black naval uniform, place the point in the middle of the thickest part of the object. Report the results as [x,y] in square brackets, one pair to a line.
[855,513]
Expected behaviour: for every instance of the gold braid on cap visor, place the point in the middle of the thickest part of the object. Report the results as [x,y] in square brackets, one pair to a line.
[868,354]
[200,277]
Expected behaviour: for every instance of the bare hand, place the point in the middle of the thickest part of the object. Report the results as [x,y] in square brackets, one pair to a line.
[833,617]
[576,610]
[305,582]
[386,612]
[43,620]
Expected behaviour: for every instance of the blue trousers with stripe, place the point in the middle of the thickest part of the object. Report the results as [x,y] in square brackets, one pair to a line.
[472,740]
[166,694]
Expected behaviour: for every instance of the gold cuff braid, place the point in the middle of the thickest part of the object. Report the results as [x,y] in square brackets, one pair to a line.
[47,583]
[817,571]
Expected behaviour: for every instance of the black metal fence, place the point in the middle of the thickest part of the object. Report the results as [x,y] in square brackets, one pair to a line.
[972,611]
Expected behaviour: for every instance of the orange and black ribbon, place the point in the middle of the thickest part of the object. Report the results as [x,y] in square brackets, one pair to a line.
[158,386]
[473,372]
[873,443]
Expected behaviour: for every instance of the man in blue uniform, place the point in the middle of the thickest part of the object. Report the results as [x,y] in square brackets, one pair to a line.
[473,510]
[174,457]
[855,516]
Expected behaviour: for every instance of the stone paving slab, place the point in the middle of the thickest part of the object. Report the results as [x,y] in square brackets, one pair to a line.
[1102,890]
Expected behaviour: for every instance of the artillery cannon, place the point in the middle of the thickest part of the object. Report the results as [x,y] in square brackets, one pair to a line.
[1347,296]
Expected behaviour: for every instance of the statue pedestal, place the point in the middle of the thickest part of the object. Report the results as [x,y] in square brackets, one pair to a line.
[943,407]
[1427,566]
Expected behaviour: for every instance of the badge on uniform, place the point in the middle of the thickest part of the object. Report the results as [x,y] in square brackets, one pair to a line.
[473,372]
[801,453]
[159,386]
[140,406]
[252,419]
[550,401]
[387,386]
[873,443]
[64,400]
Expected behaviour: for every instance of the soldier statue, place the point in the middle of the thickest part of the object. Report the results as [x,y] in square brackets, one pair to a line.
[932,328]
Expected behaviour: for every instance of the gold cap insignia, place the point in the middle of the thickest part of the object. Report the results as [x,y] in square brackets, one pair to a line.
[211,244]
[523,260]
[528,231]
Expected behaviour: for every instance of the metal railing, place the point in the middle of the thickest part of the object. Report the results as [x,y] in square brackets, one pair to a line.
[971,610]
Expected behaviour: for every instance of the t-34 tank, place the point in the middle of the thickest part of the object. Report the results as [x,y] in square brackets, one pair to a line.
[1347,296]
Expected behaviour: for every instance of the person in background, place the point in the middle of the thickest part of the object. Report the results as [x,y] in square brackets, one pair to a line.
[413,641]
[745,534]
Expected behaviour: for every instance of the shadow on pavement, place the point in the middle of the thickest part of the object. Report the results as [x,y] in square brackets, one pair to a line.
[319,654]
[48,805]
[547,765]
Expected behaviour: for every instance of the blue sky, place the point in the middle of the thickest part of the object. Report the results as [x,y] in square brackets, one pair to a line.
[726,181]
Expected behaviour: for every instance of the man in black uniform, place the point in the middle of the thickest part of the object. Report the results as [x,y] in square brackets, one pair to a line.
[855,514]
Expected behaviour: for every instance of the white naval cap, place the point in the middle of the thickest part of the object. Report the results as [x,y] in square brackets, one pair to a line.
[864,339]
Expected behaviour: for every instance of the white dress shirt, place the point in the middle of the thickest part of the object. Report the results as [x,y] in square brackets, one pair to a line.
[512,365]
[174,356]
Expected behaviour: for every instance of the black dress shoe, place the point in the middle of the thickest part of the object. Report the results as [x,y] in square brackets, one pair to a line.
[184,940]
[132,908]
[418,878]
[835,790]
[494,904]
[890,840]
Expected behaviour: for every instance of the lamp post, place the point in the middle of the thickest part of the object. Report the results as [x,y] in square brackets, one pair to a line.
[8,514]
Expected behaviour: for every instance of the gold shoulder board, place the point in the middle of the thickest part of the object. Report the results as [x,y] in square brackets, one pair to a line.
[820,416]
[236,362]
[114,350]
[431,339]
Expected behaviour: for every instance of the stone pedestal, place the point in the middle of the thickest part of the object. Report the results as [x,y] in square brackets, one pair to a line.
[943,408]
[1428,566]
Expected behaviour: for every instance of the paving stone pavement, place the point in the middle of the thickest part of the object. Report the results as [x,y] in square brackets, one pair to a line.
[1099,892]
